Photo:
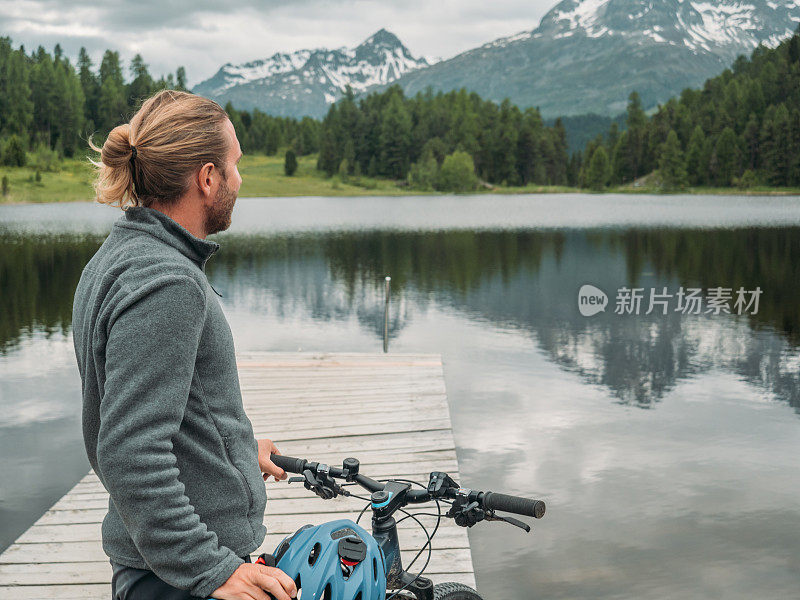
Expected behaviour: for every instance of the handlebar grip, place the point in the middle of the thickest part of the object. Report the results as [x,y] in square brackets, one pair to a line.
[288,463]
[514,504]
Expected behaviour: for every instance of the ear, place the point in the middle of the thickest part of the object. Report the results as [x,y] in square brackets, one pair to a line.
[207,180]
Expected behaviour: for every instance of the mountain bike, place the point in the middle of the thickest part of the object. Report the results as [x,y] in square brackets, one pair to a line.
[389,496]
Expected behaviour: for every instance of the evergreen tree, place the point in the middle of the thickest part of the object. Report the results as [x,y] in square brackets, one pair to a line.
[91,89]
[794,49]
[437,149]
[14,152]
[591,148]
[70,121]
[273,138]
[395,138]
[633,153]
[751,142]
[599,170]
[16,107]
[754,99]
[141,85]
[112,107]
[696,163]
[180,79]
[776,141]
[794,150]
[574,169]
[671,164]
[618,159]
[308,129]
[726,158]
[46,105]
[527,151]
[290,163]
[328,159]
[558,161]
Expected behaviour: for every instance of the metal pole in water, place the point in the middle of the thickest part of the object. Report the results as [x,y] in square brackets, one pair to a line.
[386,318]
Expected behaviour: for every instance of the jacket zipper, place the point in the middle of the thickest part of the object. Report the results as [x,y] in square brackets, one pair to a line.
[203,269]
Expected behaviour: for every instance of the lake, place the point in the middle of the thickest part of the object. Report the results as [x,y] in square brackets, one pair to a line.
[665,445]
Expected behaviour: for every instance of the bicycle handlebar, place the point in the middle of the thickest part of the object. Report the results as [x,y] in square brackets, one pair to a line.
[514,504]
[488,500]
[289,464]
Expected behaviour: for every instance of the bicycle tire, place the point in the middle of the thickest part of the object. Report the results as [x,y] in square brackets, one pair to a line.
[454,591]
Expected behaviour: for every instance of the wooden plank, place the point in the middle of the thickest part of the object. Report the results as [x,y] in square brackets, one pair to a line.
[46,592]
[330,406]
[303,431]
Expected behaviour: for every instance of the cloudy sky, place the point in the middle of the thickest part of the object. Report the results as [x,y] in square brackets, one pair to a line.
[202,35]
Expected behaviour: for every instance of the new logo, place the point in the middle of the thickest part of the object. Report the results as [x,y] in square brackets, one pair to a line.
[591,300]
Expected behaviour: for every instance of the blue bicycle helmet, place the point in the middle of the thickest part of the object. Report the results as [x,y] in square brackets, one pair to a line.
[338,560]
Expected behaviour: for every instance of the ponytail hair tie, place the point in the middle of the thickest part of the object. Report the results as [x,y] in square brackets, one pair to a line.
[133,171]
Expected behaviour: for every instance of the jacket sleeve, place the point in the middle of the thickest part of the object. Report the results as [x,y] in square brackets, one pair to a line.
[150,361]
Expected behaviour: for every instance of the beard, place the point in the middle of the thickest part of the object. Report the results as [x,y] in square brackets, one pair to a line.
[218,215]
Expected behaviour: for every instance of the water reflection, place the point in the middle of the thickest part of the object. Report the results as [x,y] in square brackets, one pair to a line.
[522,279]
[38,275]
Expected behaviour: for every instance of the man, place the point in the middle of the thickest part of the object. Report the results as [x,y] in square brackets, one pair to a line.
[163,421]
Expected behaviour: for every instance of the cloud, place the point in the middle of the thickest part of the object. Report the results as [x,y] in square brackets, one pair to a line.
[202,35]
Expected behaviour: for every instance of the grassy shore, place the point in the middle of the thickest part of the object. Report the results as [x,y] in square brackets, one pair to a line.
[263,176]
[72,182]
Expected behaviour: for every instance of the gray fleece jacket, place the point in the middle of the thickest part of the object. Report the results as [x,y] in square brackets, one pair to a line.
[163,421]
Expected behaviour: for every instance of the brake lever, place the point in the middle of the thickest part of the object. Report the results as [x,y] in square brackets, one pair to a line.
[466,515]
[325,487]
[492,516]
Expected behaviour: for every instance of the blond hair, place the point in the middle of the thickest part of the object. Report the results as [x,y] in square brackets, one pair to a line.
[173,133]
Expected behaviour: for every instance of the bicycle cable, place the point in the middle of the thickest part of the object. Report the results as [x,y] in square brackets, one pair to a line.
[429,536]
[428,544]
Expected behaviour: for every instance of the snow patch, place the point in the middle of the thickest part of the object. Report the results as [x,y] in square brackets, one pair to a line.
[502,42]
[651,33]
[584,15]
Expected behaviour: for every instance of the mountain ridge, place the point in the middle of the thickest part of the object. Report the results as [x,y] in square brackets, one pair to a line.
[588,55]
[306,82]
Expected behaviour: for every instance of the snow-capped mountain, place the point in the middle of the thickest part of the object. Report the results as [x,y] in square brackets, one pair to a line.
[306,82]
[726,27]
[588,55]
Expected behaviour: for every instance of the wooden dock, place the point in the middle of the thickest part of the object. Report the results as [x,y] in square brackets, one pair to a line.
[388,410]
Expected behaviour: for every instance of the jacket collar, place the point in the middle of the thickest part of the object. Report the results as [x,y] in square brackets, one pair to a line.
[159,225]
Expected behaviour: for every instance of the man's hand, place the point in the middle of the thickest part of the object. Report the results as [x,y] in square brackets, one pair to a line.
[265,448]
[251,581]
